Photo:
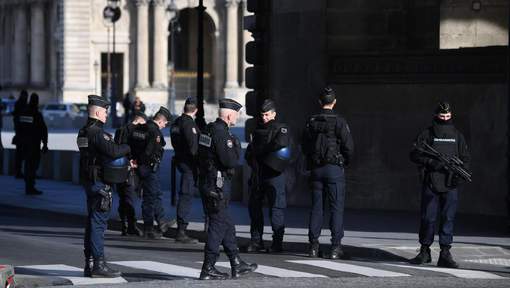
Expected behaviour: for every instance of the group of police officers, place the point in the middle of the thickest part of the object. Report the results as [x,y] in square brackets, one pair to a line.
[207,159]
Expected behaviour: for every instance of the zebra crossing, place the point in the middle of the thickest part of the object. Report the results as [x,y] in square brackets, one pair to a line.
[297,269]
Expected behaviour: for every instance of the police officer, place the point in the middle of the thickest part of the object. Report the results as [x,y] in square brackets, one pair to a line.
[31,132]
[439,190]
[184,135]
[219,153]
[148,157]
[98,173]
[19,106]
[264,155]
[329,147]
[127,190]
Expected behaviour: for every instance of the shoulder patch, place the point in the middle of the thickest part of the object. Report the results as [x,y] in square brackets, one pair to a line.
[158,139]
[107,137]
[194,130]
[283,130]
[347,127]
[230,144]
[82,142]
[205,140]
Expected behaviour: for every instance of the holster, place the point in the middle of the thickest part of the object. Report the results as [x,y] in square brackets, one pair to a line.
[215,201]
[106,200]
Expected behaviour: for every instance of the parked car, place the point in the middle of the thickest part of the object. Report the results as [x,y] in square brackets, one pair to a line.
[60,111]
[83,109]
[8,105]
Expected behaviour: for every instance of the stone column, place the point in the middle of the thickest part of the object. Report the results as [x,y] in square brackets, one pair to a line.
[246,38]
[160,46]
[37,51]
[142,44]
[232,51]
[20,57]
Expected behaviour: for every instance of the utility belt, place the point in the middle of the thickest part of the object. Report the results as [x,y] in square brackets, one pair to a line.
[337,159]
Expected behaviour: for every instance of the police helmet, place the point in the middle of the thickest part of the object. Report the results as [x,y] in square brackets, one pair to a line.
[116,171]
[278,160]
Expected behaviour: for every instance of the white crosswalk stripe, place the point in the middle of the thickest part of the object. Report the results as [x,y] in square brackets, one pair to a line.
[277,272]
[349,268]
[73,274]
[170,269]
[460,273]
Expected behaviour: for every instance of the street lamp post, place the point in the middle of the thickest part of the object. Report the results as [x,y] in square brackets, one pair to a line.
[200,66]
[111,14]
[173,14]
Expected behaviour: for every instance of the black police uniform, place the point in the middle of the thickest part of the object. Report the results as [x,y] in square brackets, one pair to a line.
[219,153]
[329,147]
[267,181]
[19,107]
[148,156]
[439,191]
[32,131]
[127,190]
[97,148]
[184,135]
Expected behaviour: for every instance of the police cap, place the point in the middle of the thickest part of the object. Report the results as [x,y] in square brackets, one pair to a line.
[164,112]
[443,108]
[96,100]
[140,114]
[327,96]
[230,104]
[267,106]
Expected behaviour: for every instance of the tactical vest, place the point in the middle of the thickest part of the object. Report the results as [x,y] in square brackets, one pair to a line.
[177,137]
[275,159]
[89,164]
[208,164]
[326,144]
[445,140]
[137,141]
[26,124]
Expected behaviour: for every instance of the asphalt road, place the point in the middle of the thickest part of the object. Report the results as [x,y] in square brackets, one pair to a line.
[46,250]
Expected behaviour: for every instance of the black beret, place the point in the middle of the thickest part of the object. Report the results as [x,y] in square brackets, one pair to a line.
[443,108]
[230,104]
[191,101]
[163,111]
[267,105]
[96,100]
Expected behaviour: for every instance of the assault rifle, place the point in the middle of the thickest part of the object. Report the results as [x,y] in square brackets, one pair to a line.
[452,163]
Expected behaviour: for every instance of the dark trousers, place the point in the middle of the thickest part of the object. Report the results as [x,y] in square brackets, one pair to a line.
[127,200]
[432,204]
[272,187]
[96,224]
[327,181]
[32,157]
[186,191]
[152,200]
[221,231]
[18,160]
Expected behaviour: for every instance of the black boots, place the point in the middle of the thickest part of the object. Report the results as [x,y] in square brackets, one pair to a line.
[446,259]
[239,267]
[149,233]
[254,247]
[209,272]
[336,252]
[101,270]
[89,263]
[313,252]
[422,257]
[129,228]
[277,244]
[182,237]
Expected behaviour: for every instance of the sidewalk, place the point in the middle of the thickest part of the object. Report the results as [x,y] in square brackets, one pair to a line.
[477,238]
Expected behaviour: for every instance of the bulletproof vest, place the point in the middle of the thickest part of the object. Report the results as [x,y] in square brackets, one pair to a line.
[137,140]
[444,139]
[326,146]
[26,123]
[177,137]
[89,168]
[275,160]
[207,158]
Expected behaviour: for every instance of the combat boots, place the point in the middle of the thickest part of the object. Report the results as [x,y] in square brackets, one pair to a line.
[101,270]
[149,233]
[132,229]
[277,244]
[209,272]
[239,267]
[446,259]
[182,237]
[89,263]
[336,252]
[313,252]
[123,227]
[254,247]
[422,257]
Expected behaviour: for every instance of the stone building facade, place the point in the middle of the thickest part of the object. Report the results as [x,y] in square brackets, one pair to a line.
[59,48]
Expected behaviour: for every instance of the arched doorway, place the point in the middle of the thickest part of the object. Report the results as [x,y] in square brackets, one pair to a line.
[185,60]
